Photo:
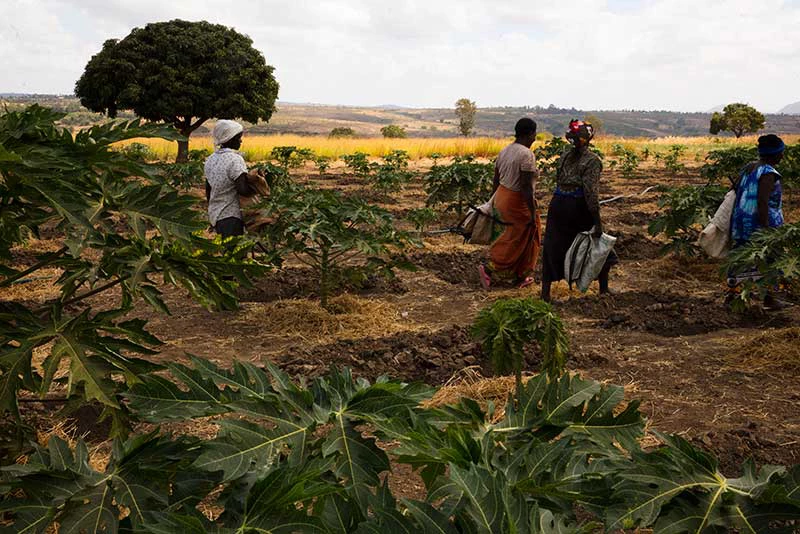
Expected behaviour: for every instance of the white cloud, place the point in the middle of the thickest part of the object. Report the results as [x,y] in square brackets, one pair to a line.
[653,54]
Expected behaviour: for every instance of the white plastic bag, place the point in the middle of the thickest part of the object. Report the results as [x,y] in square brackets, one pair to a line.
[715,238]
[586,257]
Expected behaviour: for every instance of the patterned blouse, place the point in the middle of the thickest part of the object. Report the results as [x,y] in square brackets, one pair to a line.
[581,169]
[745,213]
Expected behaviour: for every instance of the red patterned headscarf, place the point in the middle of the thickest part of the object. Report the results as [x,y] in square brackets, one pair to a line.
[579,130]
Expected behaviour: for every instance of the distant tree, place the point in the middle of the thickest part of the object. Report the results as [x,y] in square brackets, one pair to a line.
[393,130]
[465,111]
[738,119]
[342,132]
[182,73]
[595,121]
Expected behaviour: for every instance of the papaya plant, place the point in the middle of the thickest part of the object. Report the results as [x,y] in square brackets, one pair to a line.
[125,233]
[333,234]
[313,457]
[461,183]
[686,210]
[508,325]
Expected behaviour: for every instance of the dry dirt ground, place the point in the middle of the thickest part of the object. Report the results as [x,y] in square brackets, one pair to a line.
[664,334]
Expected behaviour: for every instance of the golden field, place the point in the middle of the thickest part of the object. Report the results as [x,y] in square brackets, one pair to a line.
[258,147]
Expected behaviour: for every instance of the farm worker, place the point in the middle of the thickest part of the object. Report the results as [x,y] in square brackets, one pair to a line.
[514,253]
[759,201]
[575,206]
[227,178]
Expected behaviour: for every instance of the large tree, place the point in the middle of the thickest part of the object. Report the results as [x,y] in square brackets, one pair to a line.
[737,118]
[182,73]
[465,111]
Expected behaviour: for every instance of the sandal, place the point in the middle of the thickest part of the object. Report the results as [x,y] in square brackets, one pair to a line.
[486,280]
[525,283]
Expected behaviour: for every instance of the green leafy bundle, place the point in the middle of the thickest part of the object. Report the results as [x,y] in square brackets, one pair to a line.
[293,457]
[462,183]
[332,233]
[123,228]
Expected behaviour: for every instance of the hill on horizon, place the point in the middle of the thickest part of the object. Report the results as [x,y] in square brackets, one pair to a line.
[320,119]
[791,109]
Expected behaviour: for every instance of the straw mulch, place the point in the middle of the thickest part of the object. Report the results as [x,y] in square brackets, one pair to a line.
[347,317]
[772,349]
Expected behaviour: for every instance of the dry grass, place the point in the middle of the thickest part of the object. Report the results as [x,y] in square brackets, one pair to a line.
[773,349]
[258,147]
[348,317]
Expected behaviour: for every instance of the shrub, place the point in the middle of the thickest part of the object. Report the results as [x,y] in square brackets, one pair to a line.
[333,234]
[124,230]
[462,183]
[672,159]
[727,163]
[291,157]
[304,457]
[547,157]
[358,163]
[687,209]
[277,177]
[775,255]
[138,152]
[508,325]
[342,132]
[390,175]
[421,218]
[183,176]
[393,131]
[323,163]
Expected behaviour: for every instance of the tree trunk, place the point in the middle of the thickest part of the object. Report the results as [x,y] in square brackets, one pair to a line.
[183,150]
[186,127]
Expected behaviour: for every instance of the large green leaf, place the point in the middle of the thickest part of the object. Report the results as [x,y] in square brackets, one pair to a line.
[680,489]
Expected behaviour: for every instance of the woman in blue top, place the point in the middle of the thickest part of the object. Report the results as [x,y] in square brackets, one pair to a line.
[759,195]
[759,201]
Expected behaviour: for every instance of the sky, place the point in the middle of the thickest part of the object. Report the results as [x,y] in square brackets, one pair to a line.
[681,55]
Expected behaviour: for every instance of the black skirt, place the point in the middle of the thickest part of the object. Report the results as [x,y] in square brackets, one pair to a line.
[567,216]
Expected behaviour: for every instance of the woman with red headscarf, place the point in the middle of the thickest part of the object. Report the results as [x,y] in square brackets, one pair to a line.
[575,207]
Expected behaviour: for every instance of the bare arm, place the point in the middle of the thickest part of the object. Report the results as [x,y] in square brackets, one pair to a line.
[766,186]
[243,187]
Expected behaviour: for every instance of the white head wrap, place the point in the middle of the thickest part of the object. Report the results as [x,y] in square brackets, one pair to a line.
[225,130]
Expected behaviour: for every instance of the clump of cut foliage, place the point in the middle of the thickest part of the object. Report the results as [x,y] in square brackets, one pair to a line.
[462,183]
[304,457]
[125,233]
[506,327]
[685,212]
[334,235]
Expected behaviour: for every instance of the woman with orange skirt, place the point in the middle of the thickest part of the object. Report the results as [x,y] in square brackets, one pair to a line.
[514,253]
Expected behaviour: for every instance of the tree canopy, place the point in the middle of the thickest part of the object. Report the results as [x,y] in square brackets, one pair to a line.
[738,119]
[182,73]
[465,111]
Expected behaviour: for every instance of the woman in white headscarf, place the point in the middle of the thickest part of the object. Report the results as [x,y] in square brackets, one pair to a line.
[227,179]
